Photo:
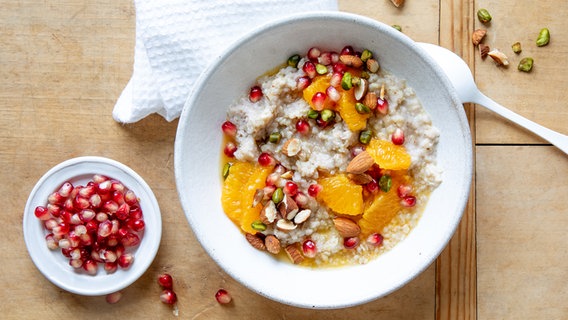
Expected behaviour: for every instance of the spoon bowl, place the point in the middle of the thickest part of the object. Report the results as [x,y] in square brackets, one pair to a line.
[461,78]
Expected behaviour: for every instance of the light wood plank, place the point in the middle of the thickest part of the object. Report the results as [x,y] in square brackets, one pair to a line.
[521,233]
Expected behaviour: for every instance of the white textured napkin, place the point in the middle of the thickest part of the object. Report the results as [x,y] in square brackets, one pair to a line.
[177,39]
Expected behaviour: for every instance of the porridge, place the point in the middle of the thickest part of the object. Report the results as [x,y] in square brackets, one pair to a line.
[330,160]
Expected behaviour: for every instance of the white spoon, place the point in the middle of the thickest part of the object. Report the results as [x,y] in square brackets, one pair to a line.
[460,76]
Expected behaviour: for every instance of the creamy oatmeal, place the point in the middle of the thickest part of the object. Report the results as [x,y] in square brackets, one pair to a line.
[330,159]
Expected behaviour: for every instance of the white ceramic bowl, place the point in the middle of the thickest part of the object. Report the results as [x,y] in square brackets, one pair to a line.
[198,163]
[53,265]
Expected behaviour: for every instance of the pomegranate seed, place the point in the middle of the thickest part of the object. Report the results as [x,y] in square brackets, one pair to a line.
[408,201]
[123,211]
[130,197]
[117,186]
[230,149]
[339,68]
[74,240]
[107,255]
[313,53]
[95,200]
[86,239]
[334,57]
[272,179]
[304,82]
[168,296]
[51,243]
[403,190]
[333,94]
[87,215]
[112,240]
[318,100]
[125,260]
[322,123]
[398,137]
[223,297]
[105,228]
[118,197]
[309,248]
[375,239]
[372,187]
[119,250]
[290,188]
[104,187]
[382,106]
[50,224]
[53,210]
[255,94]
[110,267]
[122,232]
[301,199]
[76,263]
[347,50]
[42,213]
[75,219]
[65,189]
[114,297]
[314,189]
[166,281]
[325,58]
[303,127]
[88,191]
[92,226]
[351,243]
[310,69]
[356,150]
[229,128]
[135,213]
[110,207]
[101,216]
[130,240]
[335,80]
[56,198]
[61,229]
[266,160]
[137,225]
[90,266]
[98,178]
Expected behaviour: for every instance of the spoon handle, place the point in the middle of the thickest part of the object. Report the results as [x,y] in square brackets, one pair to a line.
[556,138]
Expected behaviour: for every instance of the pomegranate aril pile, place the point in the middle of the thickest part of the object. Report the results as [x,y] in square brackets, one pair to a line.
[93,225]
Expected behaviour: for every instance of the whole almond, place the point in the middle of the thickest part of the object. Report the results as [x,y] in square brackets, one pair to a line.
[370,100]
[351,60]
[268,213]
[272,244]
[294,254]
[255,241]
[347,228]
[360,178]
[361,163]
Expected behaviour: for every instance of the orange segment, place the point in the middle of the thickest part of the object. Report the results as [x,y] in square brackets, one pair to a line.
[384,207]
[341,195]
[346,108]
[388,155]
[238,193]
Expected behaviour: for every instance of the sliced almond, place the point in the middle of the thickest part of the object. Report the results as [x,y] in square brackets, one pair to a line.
[361,163]
[294,254]
[351,60]
[302,216]
[292,147]
[361,89]
[258,197]
[255,241]
[287,175]
[347,228]
[370,100]
[272,244]
[360,178]
[285,225]
[499,57]
[382,92]
[483,50]
[268,213]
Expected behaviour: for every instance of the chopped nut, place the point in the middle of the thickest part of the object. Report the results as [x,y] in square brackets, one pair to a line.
[288,208]
[268,214]
[484,16]
[483,50]
[255,241]
[526,64]
[360,178]
[285,225]
[397,3]
[543,37]
[517,47]
[382,92]
[272,244]
[294,254]
[302,216]
[373,65]
[351,60]
[477,36]
[499,57]
[370,100]
[292,147]
[258,197]
[287,175]
[361,163]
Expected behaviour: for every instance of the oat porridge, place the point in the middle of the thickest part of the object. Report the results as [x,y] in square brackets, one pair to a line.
[328,161]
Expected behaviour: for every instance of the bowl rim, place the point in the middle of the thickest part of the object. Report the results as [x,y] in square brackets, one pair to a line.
[78,169]
[355,18]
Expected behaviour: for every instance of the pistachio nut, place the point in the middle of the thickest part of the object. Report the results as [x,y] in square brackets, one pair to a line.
[526,64]
[543,37]
[483,15]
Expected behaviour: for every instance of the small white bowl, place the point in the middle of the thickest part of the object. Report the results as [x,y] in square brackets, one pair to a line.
[53,265]
[198,161]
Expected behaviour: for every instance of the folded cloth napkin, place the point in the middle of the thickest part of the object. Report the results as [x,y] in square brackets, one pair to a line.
[177,39]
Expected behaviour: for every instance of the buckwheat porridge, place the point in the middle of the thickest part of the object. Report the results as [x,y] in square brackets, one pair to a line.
[329,160]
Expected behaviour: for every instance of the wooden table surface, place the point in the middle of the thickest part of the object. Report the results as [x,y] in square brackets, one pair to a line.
[64,63]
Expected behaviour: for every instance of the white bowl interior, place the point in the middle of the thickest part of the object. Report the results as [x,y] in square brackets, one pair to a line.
[198,161]
[53,265]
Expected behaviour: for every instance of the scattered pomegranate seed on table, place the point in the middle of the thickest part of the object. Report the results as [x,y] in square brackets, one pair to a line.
[223,297]
[168,296]
[165,281]
[114,297]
